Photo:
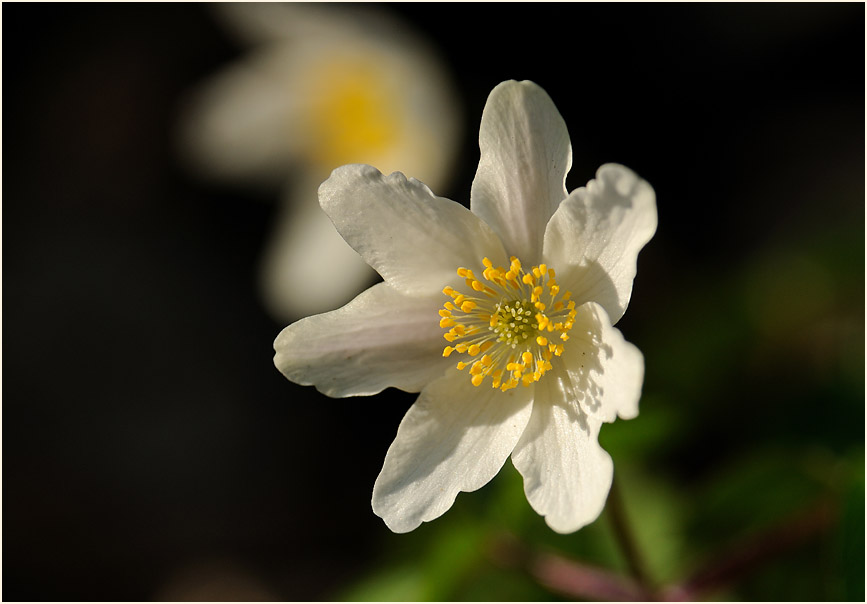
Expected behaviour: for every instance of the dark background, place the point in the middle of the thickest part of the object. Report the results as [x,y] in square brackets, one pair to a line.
[146,433]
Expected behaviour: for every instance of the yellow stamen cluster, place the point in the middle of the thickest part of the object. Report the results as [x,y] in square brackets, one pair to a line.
[510,318]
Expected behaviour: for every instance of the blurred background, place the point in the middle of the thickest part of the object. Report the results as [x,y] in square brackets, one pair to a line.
[151,451]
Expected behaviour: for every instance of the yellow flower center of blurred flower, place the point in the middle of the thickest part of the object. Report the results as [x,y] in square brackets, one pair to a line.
[508,319]
[354,118]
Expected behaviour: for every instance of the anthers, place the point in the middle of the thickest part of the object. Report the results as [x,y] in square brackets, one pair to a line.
[516,320]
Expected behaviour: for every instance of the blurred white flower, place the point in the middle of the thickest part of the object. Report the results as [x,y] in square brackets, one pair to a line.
[321,86]
[541,366]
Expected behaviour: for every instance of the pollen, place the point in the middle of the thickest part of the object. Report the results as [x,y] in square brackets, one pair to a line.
[507,315]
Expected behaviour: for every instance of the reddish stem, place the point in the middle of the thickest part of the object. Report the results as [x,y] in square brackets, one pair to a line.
[561,575]
[577,580]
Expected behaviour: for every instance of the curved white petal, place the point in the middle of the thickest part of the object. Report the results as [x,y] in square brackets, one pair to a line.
[382,338]
[307,267]
[525,155]
[605,371]
[594,237]
[413,238]
[566,473]
[455,438]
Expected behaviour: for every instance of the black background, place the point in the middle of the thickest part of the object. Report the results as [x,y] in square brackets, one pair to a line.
[144,426]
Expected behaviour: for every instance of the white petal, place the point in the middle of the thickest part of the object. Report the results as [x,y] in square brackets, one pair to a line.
[525,155]
[382,338]
[606,372]
[413,238]
[566,473]
[307,266]
[455,438]
[594,238]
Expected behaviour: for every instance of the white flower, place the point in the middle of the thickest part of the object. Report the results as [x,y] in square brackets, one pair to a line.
[540,366]
[321,86]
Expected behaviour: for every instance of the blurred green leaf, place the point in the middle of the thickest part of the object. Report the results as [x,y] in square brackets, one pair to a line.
[453,557]
[391,584]
[655,513]
[851,532]
[638,438]
[752,491]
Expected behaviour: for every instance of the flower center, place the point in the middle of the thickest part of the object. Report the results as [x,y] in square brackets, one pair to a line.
[355,117]
[508,319]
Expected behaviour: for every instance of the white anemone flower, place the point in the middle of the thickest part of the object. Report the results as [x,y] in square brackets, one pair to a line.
[523,288]
[321,86]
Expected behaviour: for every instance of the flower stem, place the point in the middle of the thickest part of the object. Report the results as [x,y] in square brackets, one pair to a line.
[626,540]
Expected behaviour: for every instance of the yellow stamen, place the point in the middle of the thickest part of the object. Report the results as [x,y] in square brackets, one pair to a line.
[468,306]
[507,324]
